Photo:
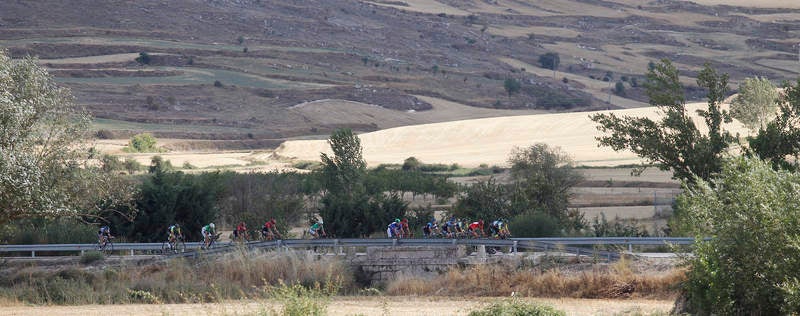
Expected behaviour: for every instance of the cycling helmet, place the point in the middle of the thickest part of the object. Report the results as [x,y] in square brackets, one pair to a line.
[212,225]
[320,222]
[272,220]
[396,220]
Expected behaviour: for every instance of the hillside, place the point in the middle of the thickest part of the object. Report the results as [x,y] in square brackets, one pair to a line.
[251,73]
[473,142]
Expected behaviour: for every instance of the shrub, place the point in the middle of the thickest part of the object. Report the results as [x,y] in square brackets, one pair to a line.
[104,134]
[534,224]
[516,307]
[751,266]
[142,143]
[91,257]
[132,166]
[299,300]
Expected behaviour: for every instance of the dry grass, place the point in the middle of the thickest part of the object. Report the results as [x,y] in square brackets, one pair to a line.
[490,140]
[233,276]
[617,281]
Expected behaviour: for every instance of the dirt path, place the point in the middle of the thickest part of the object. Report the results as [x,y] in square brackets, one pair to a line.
[349,306]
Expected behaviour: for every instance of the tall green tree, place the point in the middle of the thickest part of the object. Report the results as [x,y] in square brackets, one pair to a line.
[756,103]
[674,142]
[346,207]
[42,156]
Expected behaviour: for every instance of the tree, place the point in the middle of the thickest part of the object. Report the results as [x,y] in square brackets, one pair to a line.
[619,89]
[779,141]
[345,204]
[756,103]
[511,85]
[543,178]
[549,60]
[674,142]
[750,266]
[144,58]
[41,147]
[541,181]
[411,164]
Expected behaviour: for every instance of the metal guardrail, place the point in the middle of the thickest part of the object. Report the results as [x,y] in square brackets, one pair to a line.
[536,244]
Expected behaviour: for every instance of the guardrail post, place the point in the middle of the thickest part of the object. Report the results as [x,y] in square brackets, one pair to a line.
[394,242]
[33,254]
[630,248]
[132,252]
[514,249]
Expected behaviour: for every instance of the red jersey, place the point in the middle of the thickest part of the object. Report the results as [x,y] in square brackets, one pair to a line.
[241,227]
[474,225]
[269,224]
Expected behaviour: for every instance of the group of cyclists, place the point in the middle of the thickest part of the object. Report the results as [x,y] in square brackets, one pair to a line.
[459,228]
[451,228]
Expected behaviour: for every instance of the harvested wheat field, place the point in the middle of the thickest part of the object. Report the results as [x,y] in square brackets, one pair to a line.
[350,306]
[474,142]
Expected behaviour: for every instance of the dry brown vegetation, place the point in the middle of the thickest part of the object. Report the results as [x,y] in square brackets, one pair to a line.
[619,280]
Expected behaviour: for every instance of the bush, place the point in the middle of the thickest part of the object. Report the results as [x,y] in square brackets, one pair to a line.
[751,266]
[91,257]
[516,307]
[132,166]
[298,300]
[104,134]
[142,143]
[534,225]
[47,231]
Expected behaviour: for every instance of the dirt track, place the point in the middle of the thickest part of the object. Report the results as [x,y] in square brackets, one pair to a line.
[349,306]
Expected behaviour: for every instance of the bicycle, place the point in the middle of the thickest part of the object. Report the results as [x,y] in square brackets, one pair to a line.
[269,236]
[176,245]
[242,237]
[105,245]
[210,241]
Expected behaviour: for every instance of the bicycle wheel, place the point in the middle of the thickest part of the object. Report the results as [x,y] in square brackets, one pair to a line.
[180,246]
[106,248]
[165,248]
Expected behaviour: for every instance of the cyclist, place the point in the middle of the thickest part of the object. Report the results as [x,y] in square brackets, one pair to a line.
[209,231]
[393,230]
[430,229]
[269,231]
[317,230]
[104,234]
[405,230]
[174,233]
[476,229]
[240,234]
[499,229]
[448,227]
